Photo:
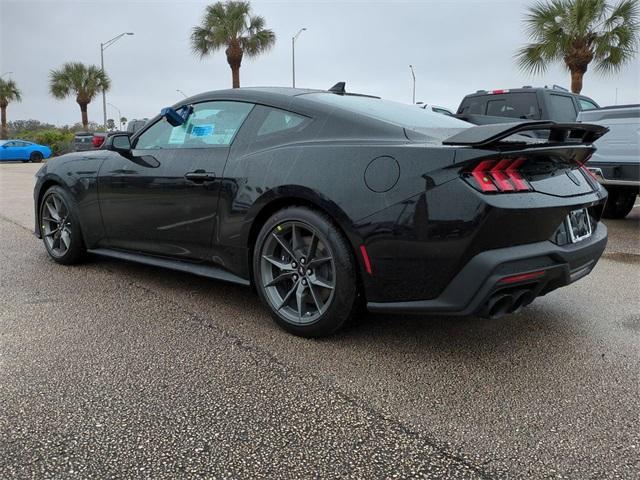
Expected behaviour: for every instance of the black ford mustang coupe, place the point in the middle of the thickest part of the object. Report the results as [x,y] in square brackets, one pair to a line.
[325,200]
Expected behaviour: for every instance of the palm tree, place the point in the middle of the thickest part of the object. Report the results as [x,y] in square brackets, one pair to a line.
[232,26]
[83,81]
[579,32]
[9,92]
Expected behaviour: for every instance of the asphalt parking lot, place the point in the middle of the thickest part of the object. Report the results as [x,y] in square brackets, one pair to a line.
[115,370]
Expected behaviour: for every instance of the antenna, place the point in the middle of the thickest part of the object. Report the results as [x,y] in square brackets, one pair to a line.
[338,88]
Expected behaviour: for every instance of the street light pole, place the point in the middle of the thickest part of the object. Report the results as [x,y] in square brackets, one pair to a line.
[181,93]
[103,47]
[293,55]
[413,74]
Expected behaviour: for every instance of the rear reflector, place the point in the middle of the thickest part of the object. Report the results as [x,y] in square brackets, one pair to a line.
[523,277]
[365,259]
[499,176]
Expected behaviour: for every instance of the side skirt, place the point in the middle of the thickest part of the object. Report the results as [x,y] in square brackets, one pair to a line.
[202,270]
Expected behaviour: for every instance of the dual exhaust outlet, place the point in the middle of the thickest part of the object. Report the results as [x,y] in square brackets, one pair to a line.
[504,303]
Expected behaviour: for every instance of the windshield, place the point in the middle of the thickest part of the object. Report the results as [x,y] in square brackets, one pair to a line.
[407,116]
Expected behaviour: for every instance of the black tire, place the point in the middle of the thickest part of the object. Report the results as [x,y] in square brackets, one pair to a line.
[619,203]
[35,157]
[341,301]
[75,251]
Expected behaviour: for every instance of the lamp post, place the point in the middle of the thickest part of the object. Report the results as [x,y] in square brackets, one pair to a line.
[293,54]
[103,47]
[413,74]
[181,92]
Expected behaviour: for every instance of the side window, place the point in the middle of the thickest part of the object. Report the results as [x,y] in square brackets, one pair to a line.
[587,105]
[210,124]
[278,121]
[473,106]
[514,105]
[562,108]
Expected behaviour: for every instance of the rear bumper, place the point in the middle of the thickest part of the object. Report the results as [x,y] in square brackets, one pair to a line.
[479,280]
[618,174]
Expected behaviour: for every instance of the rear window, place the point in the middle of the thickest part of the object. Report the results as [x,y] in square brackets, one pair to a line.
[562,108]
[392,112]
[523,106]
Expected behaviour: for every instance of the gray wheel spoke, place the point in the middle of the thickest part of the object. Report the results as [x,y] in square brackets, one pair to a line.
[56,204]
[280,278]
[318,261]
[66,238]
[300,293]
[52,211]
[278,263]
[313,245]
[295,239]
[52,232]
[284,246]
[320,283]
[288,296]
[319,304]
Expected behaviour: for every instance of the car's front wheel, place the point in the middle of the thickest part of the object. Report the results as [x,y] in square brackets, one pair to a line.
[59,227]
[35,157]
[304,272]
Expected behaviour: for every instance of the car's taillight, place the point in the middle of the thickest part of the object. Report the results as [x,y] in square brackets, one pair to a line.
[499,176]
[97,140]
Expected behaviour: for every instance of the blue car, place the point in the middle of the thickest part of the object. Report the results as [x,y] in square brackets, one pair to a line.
[23,150]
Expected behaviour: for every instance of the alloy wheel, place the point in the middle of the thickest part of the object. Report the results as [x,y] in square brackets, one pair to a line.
[297,272]
[56,224]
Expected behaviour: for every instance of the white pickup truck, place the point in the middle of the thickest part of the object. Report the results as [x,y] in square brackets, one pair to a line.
[616,163]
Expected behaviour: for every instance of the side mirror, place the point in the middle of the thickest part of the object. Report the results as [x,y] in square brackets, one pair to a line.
[120,143]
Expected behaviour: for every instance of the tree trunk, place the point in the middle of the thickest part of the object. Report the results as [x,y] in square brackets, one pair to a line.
[235,77]
[576,81]
[3,113]
[85,117]
[234,59]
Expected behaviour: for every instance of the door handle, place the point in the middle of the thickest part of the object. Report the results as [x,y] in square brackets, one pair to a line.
[200,176]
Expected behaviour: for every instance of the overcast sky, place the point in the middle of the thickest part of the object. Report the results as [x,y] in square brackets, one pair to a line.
[456,46]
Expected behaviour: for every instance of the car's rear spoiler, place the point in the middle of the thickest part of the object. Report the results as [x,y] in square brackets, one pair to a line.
[483,136]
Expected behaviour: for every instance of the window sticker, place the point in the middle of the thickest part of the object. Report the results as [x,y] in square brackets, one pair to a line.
[203,130]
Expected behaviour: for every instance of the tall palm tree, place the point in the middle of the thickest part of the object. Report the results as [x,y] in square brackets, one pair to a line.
[9,92]
[83,81]
[579,32]
[230,25]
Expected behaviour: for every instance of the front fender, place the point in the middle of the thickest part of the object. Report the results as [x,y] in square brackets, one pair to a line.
[78,174]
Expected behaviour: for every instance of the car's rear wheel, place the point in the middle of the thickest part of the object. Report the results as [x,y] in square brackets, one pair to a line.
[59,227]
[304,272]
[35,157]
[619,203]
